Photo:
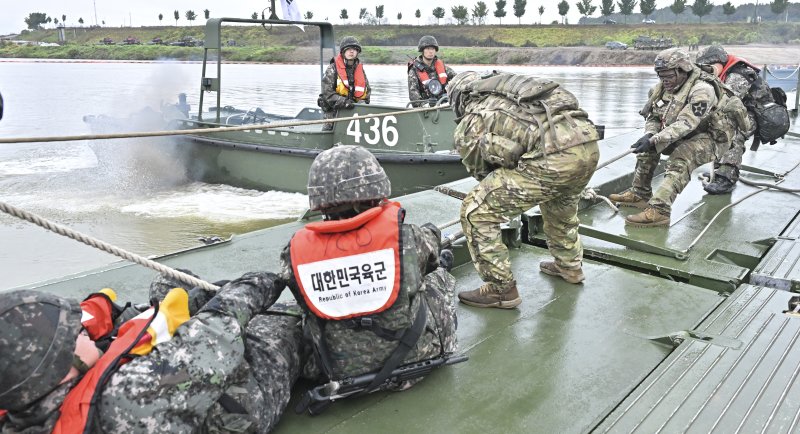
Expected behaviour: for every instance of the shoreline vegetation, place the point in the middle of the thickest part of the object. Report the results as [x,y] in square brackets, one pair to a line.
[488,44]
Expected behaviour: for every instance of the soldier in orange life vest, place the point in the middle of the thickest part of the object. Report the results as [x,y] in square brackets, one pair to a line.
[427,74]
[63,373]
[374,294]
[344,82]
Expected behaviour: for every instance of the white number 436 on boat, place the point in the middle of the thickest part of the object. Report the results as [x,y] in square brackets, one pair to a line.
[375,130]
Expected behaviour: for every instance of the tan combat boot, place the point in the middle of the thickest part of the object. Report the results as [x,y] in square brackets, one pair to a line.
[648,218]
[628,198]
[570,275]
[499,295]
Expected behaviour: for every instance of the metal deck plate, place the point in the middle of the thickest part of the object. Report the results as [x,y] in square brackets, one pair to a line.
[556,364]
[779,269]
[705,386]
[732,246]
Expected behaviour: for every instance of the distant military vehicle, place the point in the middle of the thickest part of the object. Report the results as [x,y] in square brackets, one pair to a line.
[648,43]
[130,40]
[107,41]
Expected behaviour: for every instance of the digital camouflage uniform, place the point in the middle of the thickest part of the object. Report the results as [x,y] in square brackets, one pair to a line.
[329,101]
[555,165]
[228,348]
[356,352]
[351,177]
[746,84]
[416,90]
[677,121]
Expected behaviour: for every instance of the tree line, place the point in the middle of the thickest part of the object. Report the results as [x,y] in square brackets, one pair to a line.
[477,14]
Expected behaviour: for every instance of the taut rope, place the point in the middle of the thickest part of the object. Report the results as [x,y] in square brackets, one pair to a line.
[94,242]
[206,130]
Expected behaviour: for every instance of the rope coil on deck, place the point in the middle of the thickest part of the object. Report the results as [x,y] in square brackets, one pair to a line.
[93,242]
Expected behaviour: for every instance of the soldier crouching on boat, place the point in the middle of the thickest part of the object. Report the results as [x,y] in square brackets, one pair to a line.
[344,82]
[528,143]
[692,118]
[374,294]
[229,367]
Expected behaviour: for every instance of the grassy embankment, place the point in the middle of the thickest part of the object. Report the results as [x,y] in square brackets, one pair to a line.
[388,44]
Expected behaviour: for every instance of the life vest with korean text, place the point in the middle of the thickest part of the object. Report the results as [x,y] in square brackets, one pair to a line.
[343,85]
[350,268]
[136,336]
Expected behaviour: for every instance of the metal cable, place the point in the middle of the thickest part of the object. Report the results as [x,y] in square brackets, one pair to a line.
[94,242]
[781,78]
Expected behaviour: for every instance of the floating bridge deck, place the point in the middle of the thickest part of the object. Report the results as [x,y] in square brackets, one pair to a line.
[667,334]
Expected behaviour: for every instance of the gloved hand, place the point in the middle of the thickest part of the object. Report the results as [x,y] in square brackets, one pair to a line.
[348,104]
[446,259]
[643,144]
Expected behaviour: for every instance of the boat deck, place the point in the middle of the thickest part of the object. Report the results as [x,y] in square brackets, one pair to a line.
[650,342]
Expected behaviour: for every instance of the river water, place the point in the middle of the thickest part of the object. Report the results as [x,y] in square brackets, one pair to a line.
[152,209]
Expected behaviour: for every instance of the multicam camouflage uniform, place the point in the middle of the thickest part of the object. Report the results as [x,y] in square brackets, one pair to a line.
[228,349]
[677,121]
[555,166]
[416,90]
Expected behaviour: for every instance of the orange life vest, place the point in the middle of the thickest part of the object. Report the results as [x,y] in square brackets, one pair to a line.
[733,61]
[137,336]
[441,73]
[343,85]
[97,314]
[350,268]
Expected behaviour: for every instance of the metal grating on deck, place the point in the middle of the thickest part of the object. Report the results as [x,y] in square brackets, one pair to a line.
[779,268]
[742,379]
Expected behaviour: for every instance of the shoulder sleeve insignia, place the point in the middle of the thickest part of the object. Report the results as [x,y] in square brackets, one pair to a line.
[699,108]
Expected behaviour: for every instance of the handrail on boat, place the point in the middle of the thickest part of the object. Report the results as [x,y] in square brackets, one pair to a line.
[213,41]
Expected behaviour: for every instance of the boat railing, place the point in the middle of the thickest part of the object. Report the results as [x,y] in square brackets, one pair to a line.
[213,42]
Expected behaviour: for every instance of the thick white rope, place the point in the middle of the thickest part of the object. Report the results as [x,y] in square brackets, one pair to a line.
[93,242]
[209,130]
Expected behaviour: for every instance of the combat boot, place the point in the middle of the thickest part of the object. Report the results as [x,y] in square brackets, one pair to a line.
[628,198]
[721,185]
[570,275]
[499,295]
[650,217]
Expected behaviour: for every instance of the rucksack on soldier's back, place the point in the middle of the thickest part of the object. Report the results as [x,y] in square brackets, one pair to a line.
[772,118]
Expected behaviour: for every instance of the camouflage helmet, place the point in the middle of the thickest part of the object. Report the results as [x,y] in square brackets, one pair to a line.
[457,90]
[37,341]
[348,42]
[672,58]
[427,41]
[711,55]
[346,175]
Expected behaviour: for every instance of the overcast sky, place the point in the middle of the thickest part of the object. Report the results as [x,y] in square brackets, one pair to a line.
[145,12]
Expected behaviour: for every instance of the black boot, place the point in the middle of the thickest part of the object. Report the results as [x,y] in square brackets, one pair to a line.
[721,185]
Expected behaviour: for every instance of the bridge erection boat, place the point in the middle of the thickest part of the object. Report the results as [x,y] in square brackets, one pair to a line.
[678,329]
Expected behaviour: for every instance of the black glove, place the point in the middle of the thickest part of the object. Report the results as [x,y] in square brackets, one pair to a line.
[446,259]
[348,104]
[643,144]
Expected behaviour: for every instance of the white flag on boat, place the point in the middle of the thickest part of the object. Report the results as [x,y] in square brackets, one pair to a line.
[291,11]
